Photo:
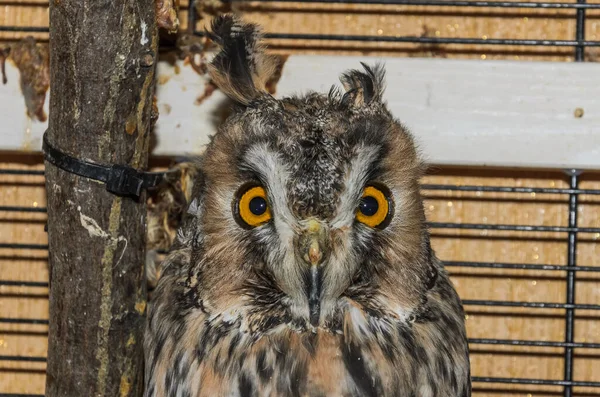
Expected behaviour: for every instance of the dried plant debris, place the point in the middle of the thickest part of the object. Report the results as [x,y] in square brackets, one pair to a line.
[192,50]
[165,209]
[209,88]
[212,8]
[166,15]
[154,113]
[167,203]
[32,60]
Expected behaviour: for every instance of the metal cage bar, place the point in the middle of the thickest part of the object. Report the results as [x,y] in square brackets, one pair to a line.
[442,3]
[580,32]
[572,230]
[570,269]
[579,43]
[570,295]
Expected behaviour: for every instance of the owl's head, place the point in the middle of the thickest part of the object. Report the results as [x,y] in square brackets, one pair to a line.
[308,204]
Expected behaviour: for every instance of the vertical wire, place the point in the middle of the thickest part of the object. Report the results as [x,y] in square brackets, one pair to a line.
[191,16]
[580,33]
[571,261]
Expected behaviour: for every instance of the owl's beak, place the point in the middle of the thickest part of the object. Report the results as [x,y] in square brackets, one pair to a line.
[311,249]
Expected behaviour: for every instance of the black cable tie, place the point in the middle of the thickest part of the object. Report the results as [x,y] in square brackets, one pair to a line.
[120,180]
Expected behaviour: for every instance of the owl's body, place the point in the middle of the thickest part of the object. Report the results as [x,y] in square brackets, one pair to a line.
[237,354]
[304,266]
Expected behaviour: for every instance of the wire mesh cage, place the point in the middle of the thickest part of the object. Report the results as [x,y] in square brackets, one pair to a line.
[521,245]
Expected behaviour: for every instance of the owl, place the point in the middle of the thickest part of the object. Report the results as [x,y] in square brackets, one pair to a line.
[303,266]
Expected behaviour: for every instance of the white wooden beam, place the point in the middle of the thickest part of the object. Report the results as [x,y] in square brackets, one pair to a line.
[474,113]
[17,131]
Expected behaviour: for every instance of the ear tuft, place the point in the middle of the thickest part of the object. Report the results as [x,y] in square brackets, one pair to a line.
[241,69]
[363,88]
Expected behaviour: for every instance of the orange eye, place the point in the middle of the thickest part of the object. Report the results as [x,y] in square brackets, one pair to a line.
[252,207]
[375,208]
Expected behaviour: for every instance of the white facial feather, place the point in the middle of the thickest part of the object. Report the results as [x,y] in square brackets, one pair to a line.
[354,183]
[269,165]
[271,168]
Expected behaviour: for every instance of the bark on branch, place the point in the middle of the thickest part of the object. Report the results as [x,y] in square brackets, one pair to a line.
[102,65]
